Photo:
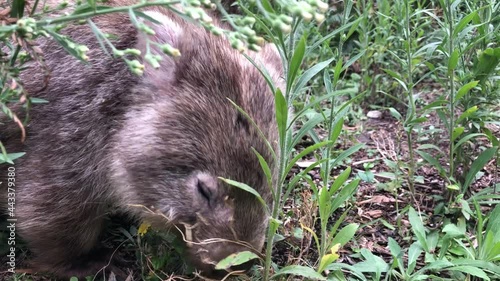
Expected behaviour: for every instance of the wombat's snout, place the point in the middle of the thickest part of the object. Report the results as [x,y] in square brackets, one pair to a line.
[205,259]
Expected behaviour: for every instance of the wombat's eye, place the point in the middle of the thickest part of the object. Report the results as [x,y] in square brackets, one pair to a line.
[204,190]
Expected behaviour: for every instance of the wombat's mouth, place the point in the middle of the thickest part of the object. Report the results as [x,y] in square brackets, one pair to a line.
[205,254]
[205,261]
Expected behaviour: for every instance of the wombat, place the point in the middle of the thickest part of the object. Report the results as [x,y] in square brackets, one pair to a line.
[111,140]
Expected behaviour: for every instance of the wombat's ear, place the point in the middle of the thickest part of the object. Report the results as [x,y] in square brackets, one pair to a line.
[167,31]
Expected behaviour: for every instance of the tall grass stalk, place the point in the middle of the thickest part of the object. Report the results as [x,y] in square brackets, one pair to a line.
[284,155]
[451,81]
[411,101]
[331,124]
[273,224]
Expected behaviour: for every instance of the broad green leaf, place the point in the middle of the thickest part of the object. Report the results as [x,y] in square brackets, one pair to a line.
[367,176]
[296,62]
[435,265]
[274,224]
[453,61]
[490,252]
[246,188]
[346,153]
[395,248]
[393,74]
[266,170]
[339,181]
[435,105]
[395,113]
[344,194]
[466,138]
[464,90]
[465,208]
[267,6]
[305,152]
[345,234]
[329,258]
[325,204]
[337,129]
[396,253]
[372,263]
[343,267]
[10,157]
[418,227]
[467,113]
[310,73]
[472,270]
[433,161]
[299,270]
[478,164]
[308,126]
[302,174]
[352,29]
[493,224]
[490,266]
[495,141]
[430,146]
[413,253]
[418,120]
[453,230]
[337,70]
[486,64]
[353,60]
[463,22]
[281,114]
[458,131]
[236,259]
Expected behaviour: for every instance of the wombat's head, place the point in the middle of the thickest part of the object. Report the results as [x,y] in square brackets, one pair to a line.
[227,220]
[183,133]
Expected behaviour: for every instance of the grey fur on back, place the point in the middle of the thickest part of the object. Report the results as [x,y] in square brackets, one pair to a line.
[108,138]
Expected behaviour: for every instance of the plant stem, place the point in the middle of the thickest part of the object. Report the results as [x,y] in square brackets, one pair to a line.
[283,161]
[105,11]
[411,101]
[451,77]
[11,28]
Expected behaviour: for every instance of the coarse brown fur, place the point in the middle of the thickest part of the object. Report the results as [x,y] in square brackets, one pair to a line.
[110,139]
